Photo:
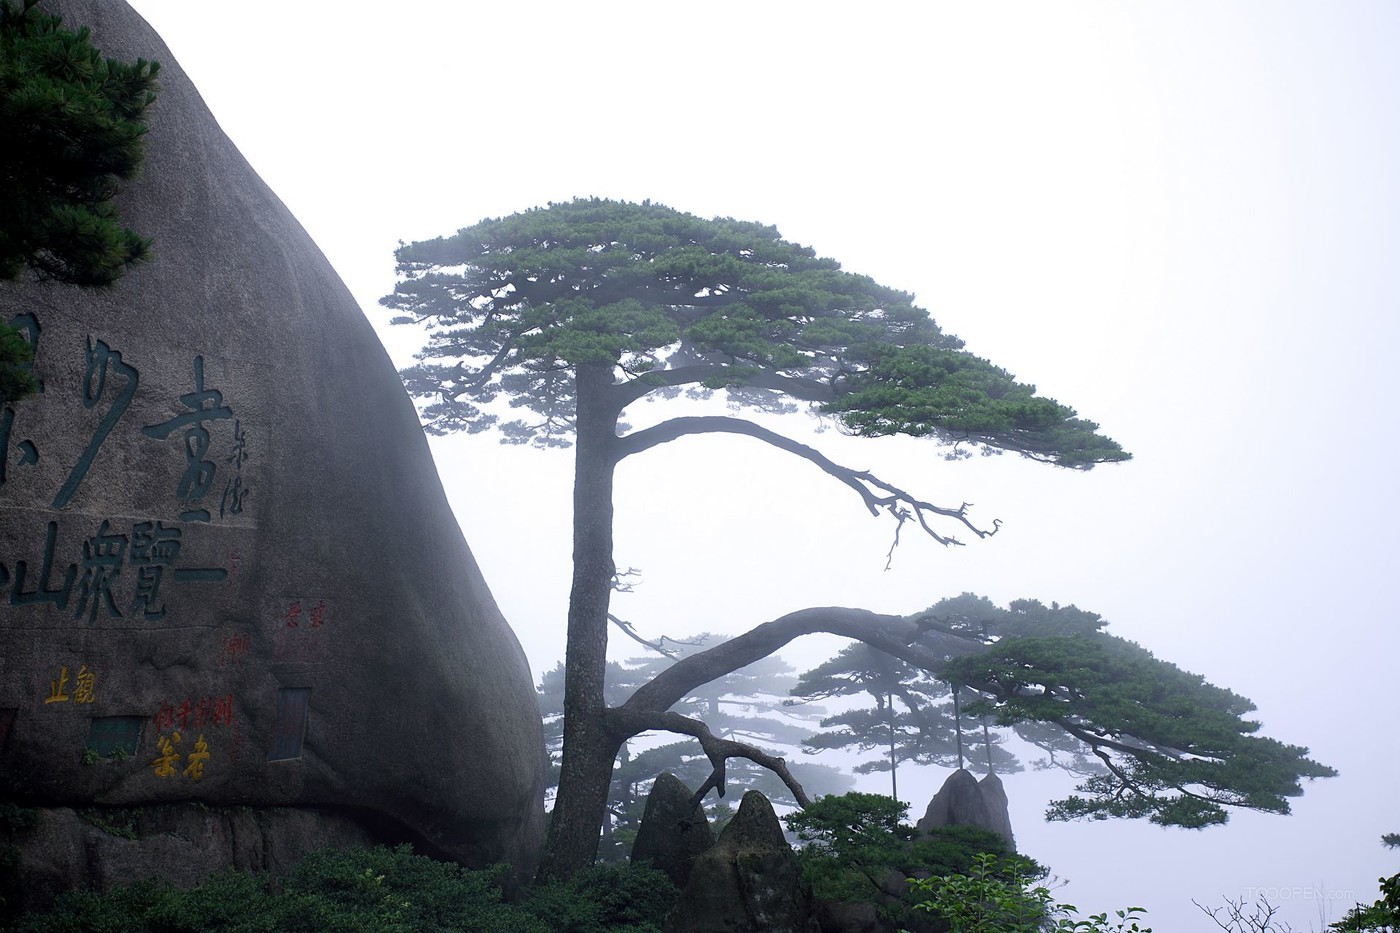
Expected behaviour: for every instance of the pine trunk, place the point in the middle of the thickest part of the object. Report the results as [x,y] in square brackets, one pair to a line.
[589,748]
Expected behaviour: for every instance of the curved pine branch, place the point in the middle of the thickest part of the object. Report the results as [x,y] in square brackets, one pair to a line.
[877,494]
[894,635]
[719,750]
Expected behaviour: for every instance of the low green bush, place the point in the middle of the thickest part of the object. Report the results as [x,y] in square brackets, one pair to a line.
[369,890]
[607,898]
[857,849]
[995,897]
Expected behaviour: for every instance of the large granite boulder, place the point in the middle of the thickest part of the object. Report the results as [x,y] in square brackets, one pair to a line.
[673,833]
[962,801]
[228,572]
[747,882]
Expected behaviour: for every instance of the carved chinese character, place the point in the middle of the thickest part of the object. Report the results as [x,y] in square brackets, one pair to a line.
[103,554]
[240,446]
[203,712]
[165,762]
[194,761]
[100,360]
[28,453]
[56,694]
[235,647]
[204,405]
[43,593]
[27,325]
[153,547]
[231,502]
[85,688]
[223,710]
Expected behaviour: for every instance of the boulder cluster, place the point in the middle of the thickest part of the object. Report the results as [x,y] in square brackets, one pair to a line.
[749,881]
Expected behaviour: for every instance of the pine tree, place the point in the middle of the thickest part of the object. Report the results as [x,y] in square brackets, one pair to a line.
[71,128]
[547,324]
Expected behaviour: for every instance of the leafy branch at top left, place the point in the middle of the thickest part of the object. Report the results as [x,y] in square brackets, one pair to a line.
[72,124]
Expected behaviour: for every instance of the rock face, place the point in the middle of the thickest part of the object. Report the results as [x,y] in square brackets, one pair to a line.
[98,848]
[672,834]
[962,801]
[838,917]
[228,572]
[747,882]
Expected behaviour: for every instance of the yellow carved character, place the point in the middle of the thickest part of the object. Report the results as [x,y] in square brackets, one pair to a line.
[56,694]
[165,762]
[194,762]
[85,691]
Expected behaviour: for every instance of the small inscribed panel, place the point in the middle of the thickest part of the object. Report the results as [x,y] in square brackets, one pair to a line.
[109,734]
[289,731]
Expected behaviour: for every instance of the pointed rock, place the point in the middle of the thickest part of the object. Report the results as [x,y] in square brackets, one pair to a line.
[747,882]
[998,808]
[229,573]
[672,834]
[962,801]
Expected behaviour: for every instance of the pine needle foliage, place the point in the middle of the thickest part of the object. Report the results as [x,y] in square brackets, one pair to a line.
[512,306]
[1176,749]
[71,128]
[72,124]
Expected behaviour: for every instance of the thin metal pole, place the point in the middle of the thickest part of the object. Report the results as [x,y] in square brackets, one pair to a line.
[957,720]
[894,781]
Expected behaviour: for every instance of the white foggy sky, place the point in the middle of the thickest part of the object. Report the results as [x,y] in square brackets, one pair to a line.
[1180,218]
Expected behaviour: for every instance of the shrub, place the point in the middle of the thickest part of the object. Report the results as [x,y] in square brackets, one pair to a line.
[855,844]
[370,890]
[607,898]
[994,897]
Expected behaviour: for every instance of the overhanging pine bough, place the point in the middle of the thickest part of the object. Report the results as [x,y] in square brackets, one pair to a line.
[573,312]
[1175,749]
